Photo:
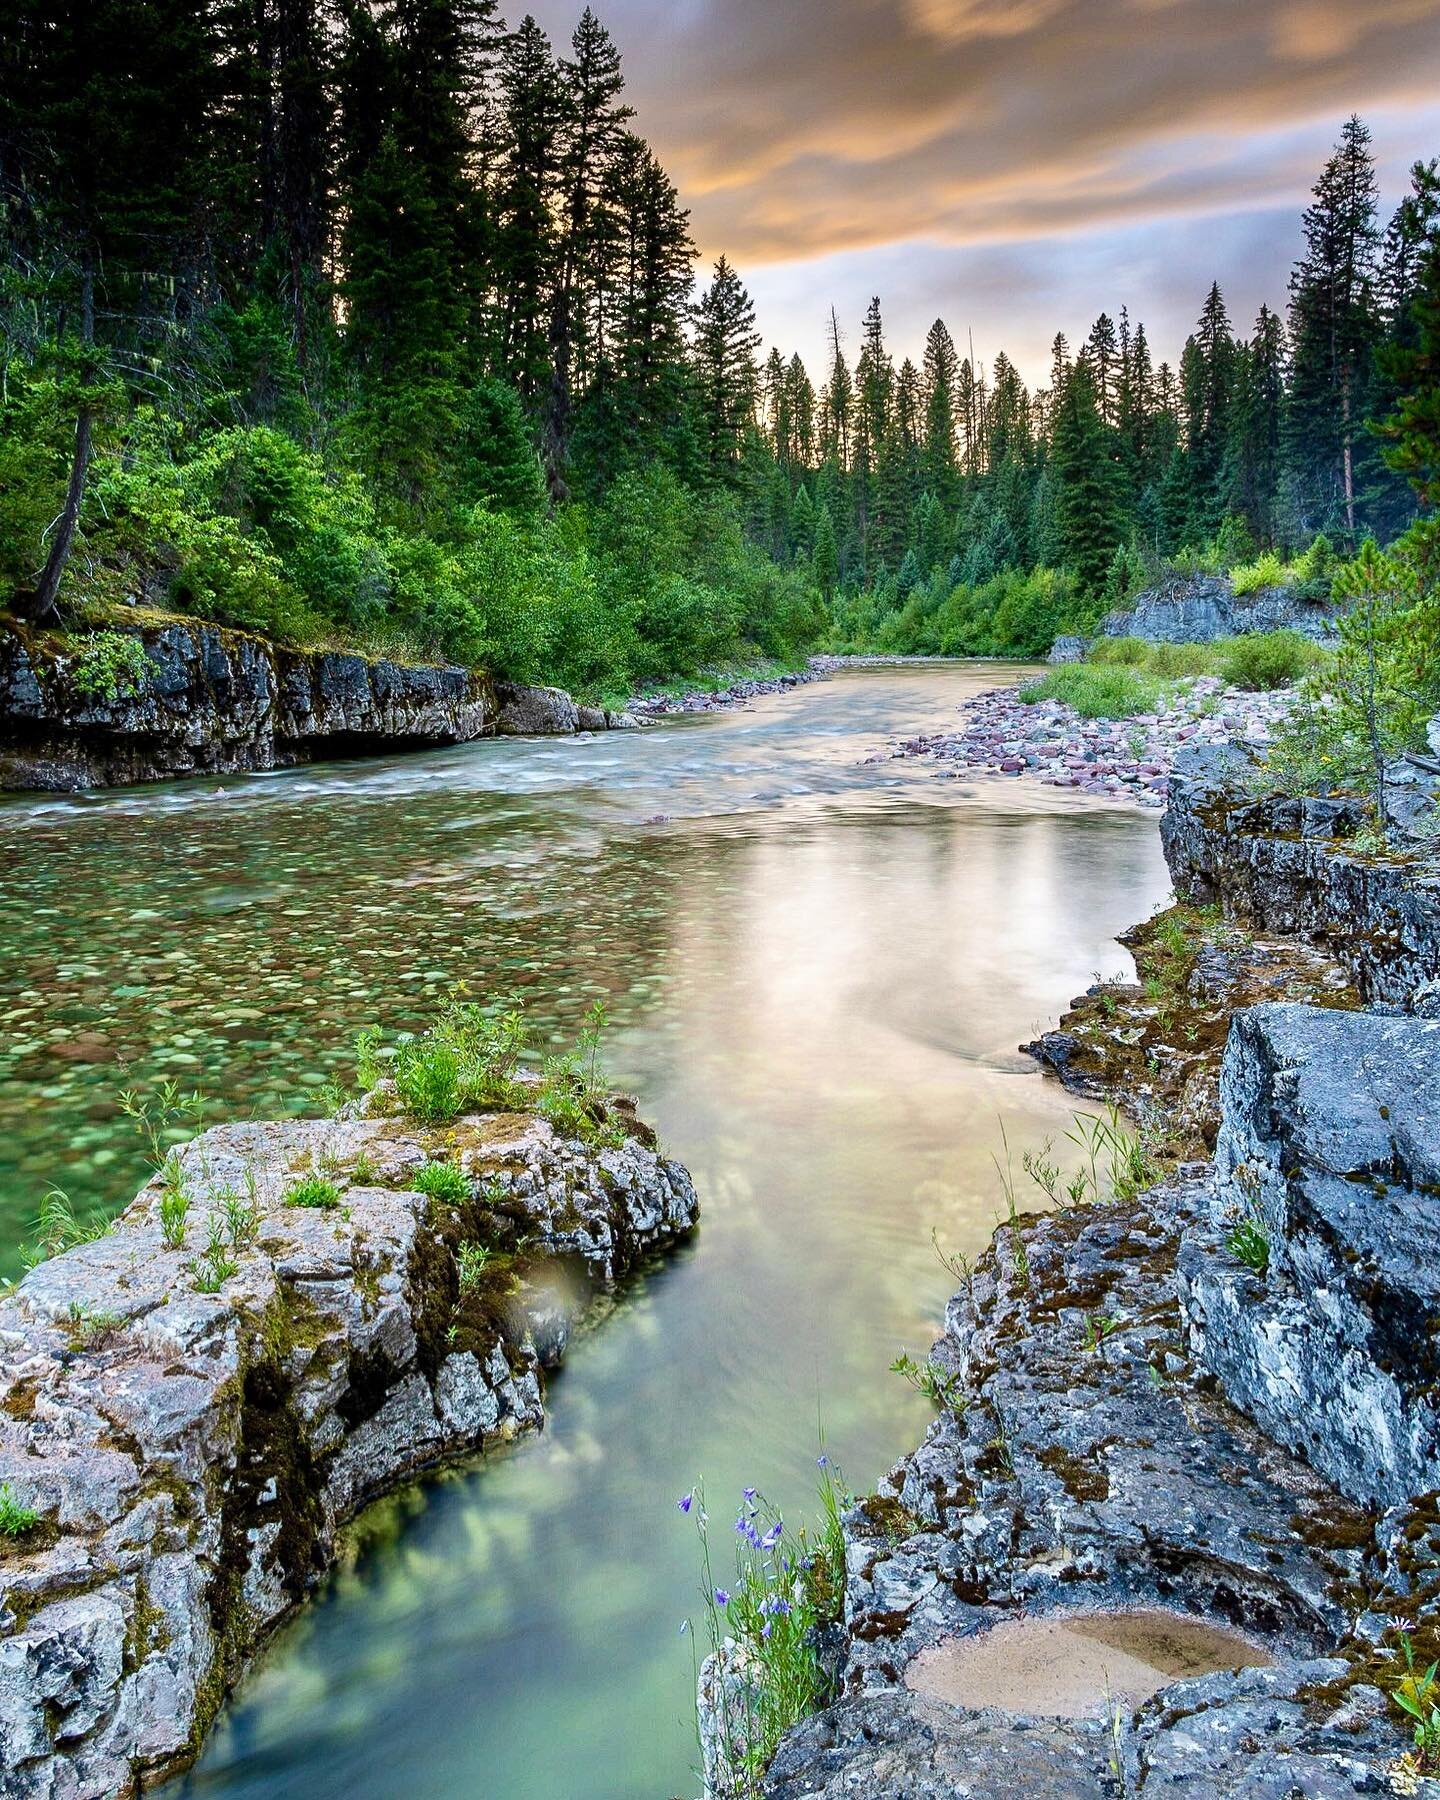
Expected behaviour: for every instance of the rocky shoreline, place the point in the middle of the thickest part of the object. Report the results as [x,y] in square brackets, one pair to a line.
[193,1403]
[1119,759]
[1210,1403]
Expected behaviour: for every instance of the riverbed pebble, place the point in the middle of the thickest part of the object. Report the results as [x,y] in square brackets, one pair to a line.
[1120,759]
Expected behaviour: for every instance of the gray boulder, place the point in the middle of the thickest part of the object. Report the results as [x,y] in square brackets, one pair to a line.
[535,712]
[1330,1148]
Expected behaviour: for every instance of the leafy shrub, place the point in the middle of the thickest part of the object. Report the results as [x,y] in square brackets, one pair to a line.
[1263,660]
[1267,571]
[466,1060]
[1097,691]
[107,665]
[1174,662]
[1128,651]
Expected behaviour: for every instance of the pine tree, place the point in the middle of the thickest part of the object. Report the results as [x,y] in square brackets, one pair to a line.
[824,559]
[1253,458]
[941,378]
[525,202]
[724,350]
[1105,367]
[1334,329]
[592,126]
[1088,523]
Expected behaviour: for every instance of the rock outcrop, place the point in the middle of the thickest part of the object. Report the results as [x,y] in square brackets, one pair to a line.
[1330,1151]
[1288,865]
[1097,1467]
[219,702]
[190,1423]
[1195,609]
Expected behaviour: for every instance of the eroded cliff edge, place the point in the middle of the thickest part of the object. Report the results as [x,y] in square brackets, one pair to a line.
[189,1440]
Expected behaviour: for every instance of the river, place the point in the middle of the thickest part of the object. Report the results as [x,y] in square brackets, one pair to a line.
[817,962]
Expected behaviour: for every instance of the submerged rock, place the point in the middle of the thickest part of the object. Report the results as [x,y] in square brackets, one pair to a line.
[192,1425]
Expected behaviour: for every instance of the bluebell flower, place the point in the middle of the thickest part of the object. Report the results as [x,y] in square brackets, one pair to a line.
[748,1493]
[822,1461]
[684,1626]
[686,1501]
[772,1536]
[766,1631]
[721,1597]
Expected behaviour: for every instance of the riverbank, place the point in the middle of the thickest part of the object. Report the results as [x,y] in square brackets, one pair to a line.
[288,1321]
[1189,1404]
[1123,759]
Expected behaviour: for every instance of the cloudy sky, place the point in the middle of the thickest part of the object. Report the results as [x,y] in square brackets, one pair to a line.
[1013,166]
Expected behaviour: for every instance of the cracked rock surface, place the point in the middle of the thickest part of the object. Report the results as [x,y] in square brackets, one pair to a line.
[190,1454]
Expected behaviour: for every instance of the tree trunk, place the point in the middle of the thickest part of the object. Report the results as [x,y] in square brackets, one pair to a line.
[1349,457]
[45,609]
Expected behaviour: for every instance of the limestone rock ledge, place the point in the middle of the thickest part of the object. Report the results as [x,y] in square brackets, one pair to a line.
[191,1454]
[220,702]
[1141,1421]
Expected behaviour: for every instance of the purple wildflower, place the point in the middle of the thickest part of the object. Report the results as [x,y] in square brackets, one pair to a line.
[822,1461]
[772,1536]
[748,1493]
[686,1501]
[721,1597]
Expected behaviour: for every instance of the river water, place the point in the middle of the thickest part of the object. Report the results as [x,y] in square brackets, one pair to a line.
[817,967]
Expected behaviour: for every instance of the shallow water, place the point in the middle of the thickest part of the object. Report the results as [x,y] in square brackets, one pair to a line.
[817,969]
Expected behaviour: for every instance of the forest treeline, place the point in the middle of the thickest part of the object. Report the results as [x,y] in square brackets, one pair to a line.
[376,321]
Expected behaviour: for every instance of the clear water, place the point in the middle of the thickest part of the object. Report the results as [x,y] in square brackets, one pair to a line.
[818,967]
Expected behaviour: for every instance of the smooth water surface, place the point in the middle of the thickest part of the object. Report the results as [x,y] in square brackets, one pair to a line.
[818,963]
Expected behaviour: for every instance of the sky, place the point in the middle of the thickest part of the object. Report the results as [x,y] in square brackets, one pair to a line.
[1013,166]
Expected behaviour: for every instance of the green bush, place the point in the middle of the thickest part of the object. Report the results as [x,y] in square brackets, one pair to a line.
[1173,662]
[1097,692]
[1265,660]
[107,665]
[1267,571]
[1129,651]
[442,1181]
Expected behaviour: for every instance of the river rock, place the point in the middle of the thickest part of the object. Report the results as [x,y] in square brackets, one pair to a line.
[191,1453]
[217,701]
[1331,1145]
[535,712]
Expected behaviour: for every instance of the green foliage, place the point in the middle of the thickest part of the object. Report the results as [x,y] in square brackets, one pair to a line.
[173,1208]
[1249,1243]
[765,1623]
[466,1061]
[442,1181]
[57,1229]
[314,1191]
[15,1518]
[1097,691]
[107,665]
[1264,660]
[471,1263]
[941,1387]
[1267,571]
[1417,1694]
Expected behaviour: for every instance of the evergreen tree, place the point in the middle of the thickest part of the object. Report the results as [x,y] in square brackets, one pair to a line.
[1087,510]
[1334,330]
[941,379]
[725,344]
[526,202]
[1253,461]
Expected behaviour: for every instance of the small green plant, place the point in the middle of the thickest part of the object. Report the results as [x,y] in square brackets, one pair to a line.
[157,1117]
[442,1181]
[57,1229]
[1249,1243]
[215,1265]
[86,1326]
[364,1173]
[1098,1327]
[174,1203]
[939,1386]
[956,1264]
[108,665]
[239,1213]
[1417,1694]
[765,1622]
[471,1262]
[1267,571]
[368,1069]
[15,1519]
[314,1191]
[1116,1164]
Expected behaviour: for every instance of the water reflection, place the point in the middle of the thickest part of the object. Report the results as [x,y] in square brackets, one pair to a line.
[818,967]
